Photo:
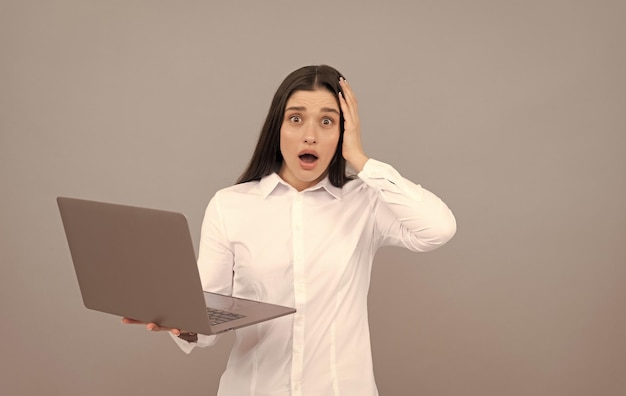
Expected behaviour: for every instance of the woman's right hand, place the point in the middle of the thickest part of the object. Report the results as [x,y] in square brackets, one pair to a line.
[150,326]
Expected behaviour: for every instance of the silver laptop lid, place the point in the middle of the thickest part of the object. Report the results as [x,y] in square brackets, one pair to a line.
[135,262]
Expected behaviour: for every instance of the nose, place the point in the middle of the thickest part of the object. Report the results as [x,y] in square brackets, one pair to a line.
[310,133]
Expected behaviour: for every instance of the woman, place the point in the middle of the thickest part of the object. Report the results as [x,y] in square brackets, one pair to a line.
[298,231]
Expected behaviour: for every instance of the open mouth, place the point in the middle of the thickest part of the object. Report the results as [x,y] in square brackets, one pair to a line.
[308,158]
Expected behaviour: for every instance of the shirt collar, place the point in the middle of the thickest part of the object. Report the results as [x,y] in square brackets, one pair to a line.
[269,183]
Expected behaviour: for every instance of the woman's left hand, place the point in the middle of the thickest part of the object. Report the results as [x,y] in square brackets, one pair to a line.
[352,149]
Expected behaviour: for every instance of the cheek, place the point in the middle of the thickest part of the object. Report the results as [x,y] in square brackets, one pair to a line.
[333,141]
[286,141]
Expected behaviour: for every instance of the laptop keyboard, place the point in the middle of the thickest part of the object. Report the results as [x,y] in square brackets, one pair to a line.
[218,316]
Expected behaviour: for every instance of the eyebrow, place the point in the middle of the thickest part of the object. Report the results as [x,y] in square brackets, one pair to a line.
[323,109]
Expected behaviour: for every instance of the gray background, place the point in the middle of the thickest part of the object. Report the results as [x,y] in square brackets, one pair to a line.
[512,112]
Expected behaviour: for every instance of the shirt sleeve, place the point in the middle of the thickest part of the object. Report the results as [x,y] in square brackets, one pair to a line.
[215,254]
[215,265]
[406,214]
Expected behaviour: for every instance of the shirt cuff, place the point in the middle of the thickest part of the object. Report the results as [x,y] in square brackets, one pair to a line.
[203,341]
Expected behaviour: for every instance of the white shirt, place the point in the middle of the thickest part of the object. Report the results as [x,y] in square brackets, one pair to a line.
[312,250]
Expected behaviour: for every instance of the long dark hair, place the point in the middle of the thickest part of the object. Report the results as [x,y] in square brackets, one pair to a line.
[267,157]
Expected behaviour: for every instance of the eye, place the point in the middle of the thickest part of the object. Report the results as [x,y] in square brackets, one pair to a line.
[327,121]
[295,119]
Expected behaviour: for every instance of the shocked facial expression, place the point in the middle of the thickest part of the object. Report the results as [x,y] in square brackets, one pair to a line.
[308,137]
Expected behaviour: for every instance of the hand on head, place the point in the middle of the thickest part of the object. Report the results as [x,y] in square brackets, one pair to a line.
[352,149]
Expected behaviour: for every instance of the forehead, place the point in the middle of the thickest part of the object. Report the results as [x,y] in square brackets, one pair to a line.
[312,100]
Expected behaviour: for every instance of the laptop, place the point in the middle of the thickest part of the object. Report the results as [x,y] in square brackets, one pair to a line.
[140,263]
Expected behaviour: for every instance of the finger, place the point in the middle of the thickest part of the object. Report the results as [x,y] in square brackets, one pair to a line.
[155,327]
[131,321]
[348,93]
[349,112]
[150,326]
[349,120]
[344,105]
[348,106]
[344,94]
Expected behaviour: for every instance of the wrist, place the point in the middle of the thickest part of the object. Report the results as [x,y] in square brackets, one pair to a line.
[358,162]
[188,336]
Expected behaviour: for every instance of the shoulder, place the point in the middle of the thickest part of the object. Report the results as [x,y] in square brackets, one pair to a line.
[238,192]
[356,189]
[241,188]
[232,199]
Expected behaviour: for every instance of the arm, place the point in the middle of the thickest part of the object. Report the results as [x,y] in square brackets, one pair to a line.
[406,214]
[215,265]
